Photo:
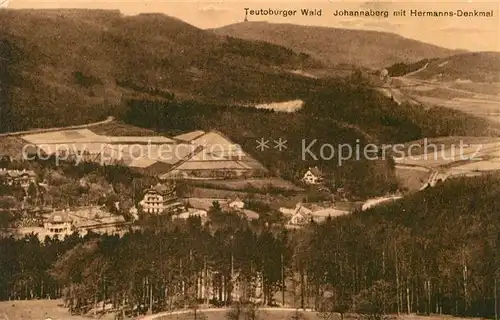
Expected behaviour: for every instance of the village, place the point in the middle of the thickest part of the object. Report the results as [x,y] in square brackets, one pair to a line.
[192,161]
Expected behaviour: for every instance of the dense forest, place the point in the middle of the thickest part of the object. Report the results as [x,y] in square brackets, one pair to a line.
[400,69]
[350,101]
[363,177]
[437,251]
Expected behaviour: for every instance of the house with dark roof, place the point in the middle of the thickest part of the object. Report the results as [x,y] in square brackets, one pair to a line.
[216,157]
[313,176]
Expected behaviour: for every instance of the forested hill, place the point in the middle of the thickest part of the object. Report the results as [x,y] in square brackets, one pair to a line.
[344,113]
[435,252]
[61,67]
[336,46]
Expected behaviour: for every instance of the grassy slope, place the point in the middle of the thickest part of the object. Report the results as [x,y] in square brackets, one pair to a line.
[66,65]
[338,46]
[36,309]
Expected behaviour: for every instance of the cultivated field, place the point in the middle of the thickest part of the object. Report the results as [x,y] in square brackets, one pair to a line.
[479,99]
[450,156]
[450,152]
[244,184]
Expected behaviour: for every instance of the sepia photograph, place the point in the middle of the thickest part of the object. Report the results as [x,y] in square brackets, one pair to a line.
[249,160]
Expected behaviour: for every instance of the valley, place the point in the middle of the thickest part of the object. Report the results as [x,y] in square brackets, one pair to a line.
[154,170]
[467,82]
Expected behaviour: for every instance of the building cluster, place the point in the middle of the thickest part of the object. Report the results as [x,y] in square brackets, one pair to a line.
[82,220]
[194,155]
[22,178]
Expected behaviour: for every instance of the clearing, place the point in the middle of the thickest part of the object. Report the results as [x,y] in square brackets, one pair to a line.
[252,184]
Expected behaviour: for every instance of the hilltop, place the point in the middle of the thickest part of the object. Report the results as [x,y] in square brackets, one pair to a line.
[336,46]
[54,60]
[64,67]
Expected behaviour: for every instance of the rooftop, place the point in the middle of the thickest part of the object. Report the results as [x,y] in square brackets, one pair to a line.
[59,217]
[315,171]
[16,173]
[162,189]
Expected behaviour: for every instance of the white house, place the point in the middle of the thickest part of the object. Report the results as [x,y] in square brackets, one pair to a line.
[22,178]
[313,176]
[298,220]
[299,216]
[237,204]
[161,198]
[59,223]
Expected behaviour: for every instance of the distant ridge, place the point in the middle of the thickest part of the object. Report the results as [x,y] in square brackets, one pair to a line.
[336,46]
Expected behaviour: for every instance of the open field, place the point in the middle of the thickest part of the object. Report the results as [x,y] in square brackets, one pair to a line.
[42,309]
[207,193]
[481,88]
[37,310]
[450,157]
[215,194]
[441,93]
[448,154]
[263,314]
[478,99]
[243,184]
[447,142]
[287,314]
[477,166]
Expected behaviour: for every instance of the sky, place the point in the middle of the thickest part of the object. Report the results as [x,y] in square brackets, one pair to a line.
[470,33]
